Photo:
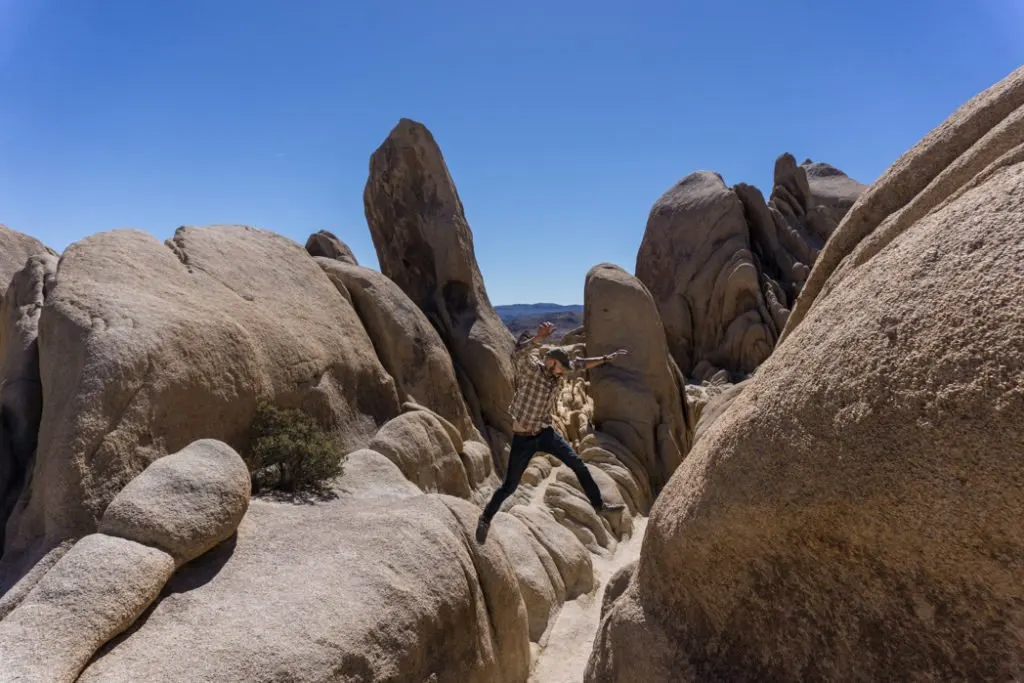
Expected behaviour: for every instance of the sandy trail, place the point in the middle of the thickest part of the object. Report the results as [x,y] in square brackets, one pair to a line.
[564,657]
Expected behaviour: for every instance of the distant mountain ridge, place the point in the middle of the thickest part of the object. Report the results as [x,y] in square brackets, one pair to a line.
[526,317]
[512,311]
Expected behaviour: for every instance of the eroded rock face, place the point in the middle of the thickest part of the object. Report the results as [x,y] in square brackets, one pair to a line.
[353,588]
[696,261]
[638,400]
[325,244]
[725,266]
[425,245]
[854,514]
[145,348]
[98,589]
[832,189]
[15,250]
[21,395]
[408,346]
[418,443]
[185,503]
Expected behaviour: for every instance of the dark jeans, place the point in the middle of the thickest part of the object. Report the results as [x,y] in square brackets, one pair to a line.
[523,449]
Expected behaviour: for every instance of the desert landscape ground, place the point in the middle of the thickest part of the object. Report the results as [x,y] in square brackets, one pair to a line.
[228,456]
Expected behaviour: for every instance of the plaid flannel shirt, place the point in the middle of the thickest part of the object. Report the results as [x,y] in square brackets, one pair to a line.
[536,388]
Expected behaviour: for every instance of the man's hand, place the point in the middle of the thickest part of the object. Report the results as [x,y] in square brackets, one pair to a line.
[545,330]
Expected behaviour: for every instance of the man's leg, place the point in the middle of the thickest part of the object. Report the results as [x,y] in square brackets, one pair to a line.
[523,448]
[553,443]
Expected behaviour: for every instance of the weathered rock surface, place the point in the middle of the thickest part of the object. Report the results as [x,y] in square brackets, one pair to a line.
[425,245]
[184,503]
[325,244]
[638,399]
[99,588]
[725,267]
[145,348]
[539,582]
[855,513]
[617,585]
[15,250]
[406,343]
[832,189]
[21,395]
[716,407]
[574,564]
[419,445]
[347,589]
[696,260]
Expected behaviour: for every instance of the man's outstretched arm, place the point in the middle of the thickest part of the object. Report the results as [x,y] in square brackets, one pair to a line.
[598,361]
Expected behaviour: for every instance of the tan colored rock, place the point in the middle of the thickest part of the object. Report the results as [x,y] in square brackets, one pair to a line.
[407,345]
[15,250]
[574,563]
[145,348]
[716,407]
[184,503]
[535,583]
[696,260]
[832,189]
[425,245]
[98,589]
[346,589]
[572,509]
[567,500]
[325,244]
[21,396]
[616,585]
[638,399]
[855,513]
[418,443]
[368,474]
[19,578]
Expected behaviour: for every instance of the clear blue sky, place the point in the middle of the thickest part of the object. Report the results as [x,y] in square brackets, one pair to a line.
[561,121]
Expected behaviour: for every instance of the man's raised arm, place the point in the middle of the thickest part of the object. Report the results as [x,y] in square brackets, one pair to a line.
[526,342]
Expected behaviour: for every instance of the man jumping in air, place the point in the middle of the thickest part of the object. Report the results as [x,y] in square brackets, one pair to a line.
[537,385]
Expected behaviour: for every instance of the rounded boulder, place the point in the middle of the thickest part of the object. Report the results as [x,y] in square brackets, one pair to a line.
[185,503]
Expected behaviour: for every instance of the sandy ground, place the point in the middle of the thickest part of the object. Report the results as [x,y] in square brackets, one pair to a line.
[564,657]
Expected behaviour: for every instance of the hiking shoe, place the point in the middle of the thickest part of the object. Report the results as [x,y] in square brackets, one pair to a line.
[611,507]
[482,527]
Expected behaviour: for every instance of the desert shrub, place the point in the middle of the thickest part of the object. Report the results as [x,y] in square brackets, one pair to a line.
[290,451]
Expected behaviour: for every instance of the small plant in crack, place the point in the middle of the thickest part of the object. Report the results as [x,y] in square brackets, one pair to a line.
[291,452]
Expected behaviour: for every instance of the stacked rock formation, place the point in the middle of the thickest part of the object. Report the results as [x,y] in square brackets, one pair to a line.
[725,267]
[854,514]
[425,245]
[147,362]
[177,509]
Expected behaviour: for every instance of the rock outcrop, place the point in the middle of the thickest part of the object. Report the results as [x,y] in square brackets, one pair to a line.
[21,395]
[15,250]
[96,591]
[408,346]
[725,267]
[639,404]
[832,189]
[855,513]
[425,245]
[418,443]
[324,244]
[183,504]
[145,348]
[354,588]
[178,508]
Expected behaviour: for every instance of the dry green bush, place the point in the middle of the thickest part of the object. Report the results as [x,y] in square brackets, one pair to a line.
[291,452]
